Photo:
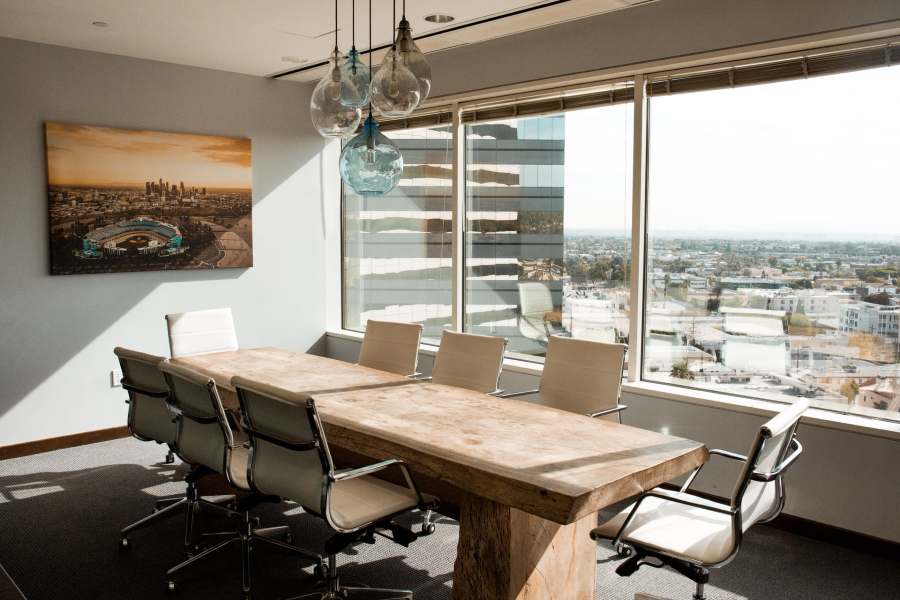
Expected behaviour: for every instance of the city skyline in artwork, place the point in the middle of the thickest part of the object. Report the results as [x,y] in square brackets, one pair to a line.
[137,200]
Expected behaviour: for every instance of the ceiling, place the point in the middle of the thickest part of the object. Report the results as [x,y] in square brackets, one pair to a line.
[267,37]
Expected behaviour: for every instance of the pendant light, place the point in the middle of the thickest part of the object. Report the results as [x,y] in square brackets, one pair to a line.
[356,75]
[395,90]
[330,116]
[371,164]
[412,57]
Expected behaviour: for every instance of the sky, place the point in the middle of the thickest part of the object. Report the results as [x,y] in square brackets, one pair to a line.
[81,155]
[814,158]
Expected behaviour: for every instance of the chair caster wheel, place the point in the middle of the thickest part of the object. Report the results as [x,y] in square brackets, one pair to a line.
[124,544]
[427,529]
[170,587]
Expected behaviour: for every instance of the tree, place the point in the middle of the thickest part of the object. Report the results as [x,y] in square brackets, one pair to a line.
[849,390]
[680,370]
[882,298]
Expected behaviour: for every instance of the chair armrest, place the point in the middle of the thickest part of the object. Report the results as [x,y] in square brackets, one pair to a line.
[672,496]
[728,454]
[714,452]
[783,466]
[151,393]
[498,393]
[608,411]
[517,394]
[416,377]
[347,474]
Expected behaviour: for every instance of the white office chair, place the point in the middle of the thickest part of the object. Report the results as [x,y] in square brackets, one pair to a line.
[201,332]
[470,361]
[692,534]
[535,303]
[289,457]
[581,376]
[391,346]
[205,438]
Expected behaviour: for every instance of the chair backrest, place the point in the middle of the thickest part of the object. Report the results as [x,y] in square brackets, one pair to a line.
[535,298]
[289,456]
[149,417]
[582,376]
[760,495]
[391,346]
[470,361]
[204,436]
[201,332]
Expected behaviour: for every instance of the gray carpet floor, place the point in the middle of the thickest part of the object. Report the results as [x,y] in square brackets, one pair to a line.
[60,513]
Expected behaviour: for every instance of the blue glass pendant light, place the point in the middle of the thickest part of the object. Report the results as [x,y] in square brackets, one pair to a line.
[355,75]
[371,164]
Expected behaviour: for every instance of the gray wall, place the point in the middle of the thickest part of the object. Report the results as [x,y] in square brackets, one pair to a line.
[57,333]
[664,29]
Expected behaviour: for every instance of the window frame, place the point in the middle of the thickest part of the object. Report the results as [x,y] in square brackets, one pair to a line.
[641,76]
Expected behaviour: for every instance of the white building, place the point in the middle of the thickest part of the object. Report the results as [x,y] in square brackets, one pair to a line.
[866,317]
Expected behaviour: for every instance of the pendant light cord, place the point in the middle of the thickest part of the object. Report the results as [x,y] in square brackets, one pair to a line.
[335,26]
[393,30]
[353,25]
[370,55]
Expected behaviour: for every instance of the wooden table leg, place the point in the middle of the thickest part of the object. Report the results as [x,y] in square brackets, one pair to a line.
[506,554]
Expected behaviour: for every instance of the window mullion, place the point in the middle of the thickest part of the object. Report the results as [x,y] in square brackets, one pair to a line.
[638,231]
[459,215]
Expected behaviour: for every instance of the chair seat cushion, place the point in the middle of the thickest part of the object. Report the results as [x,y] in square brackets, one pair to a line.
[695,534]
[364,500]
[237,466]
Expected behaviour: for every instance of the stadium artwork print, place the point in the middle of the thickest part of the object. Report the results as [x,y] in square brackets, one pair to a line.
[135,200]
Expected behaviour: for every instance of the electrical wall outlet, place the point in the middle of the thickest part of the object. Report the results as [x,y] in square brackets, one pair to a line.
[115,379]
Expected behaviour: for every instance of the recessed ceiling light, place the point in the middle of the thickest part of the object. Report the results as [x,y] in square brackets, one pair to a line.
[100,24]
[438,18]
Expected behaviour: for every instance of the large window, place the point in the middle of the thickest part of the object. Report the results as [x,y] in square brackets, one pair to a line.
[770,243]
[774,241]
[397,247]
[547,227]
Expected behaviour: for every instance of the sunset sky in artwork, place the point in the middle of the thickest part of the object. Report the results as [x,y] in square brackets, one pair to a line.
[83,155]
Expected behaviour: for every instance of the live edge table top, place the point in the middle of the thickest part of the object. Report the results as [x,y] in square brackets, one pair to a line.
[554,464]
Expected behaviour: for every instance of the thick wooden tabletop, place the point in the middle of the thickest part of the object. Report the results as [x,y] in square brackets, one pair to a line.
[554,464]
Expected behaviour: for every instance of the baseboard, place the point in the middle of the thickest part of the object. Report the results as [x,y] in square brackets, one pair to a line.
[65,441]
[823,532]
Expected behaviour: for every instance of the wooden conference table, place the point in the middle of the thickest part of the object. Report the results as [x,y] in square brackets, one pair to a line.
[530,479]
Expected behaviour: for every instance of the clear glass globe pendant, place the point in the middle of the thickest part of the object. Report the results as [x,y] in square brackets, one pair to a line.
[413,59]
[371,164]
[330,116]
[395,90]
[356,80]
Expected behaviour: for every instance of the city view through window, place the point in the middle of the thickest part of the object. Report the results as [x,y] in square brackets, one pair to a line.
[772,228]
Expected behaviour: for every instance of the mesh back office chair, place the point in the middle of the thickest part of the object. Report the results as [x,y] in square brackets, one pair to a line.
[692,534]
[201,332]
[289,457]
[390,346]
[205,438]
[470,361]
[151,419]
[582,376]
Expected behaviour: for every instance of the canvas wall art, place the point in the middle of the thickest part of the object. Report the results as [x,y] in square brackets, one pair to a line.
[135,200]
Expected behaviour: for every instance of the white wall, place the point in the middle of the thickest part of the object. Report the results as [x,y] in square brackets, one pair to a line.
[57,333]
